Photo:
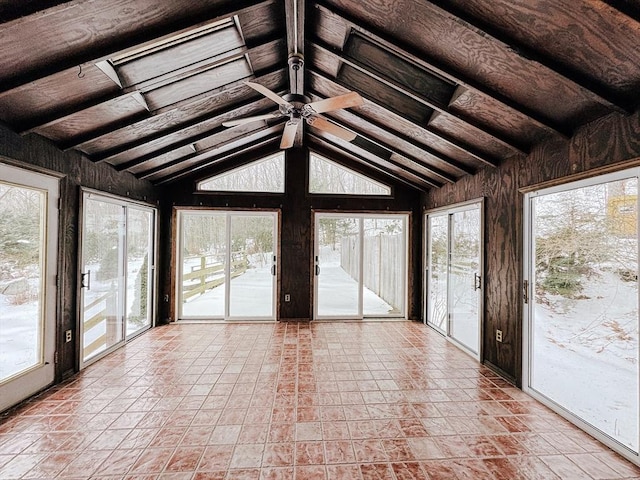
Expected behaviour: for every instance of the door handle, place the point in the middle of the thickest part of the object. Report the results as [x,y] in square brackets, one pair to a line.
[317,270]
[273,270]
[477,282]
[85,280]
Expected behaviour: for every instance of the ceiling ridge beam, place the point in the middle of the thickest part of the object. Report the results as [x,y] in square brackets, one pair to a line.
[143,37]
[417,182]
[467,149]
[182,143]
[260,145]
[82,139]
[435,105]
[569,73]
[199,153]
[427,62]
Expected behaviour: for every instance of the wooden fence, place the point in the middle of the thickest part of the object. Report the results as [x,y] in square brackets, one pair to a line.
[207,276]
[384,266]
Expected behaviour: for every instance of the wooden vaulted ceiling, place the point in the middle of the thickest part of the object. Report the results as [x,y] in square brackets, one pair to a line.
[449,86]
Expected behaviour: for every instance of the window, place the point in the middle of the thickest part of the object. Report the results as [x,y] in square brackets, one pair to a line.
[266,176]
[326,176]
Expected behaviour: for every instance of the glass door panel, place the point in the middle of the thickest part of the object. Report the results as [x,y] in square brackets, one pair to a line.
[117,272]
[384,268]
[437,271]
[583,308]
[102,276]
[453,296]
[338,267]
[360,265]
[252,266]
[139,269]
[228,265]
[204,263]
[465,279]
[28,245]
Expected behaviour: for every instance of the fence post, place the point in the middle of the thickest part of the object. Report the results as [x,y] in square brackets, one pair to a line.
[203,264]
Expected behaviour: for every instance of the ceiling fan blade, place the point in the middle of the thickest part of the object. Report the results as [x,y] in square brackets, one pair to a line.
[243,121]
[269,94]
[325,125]
[289,134]
[351,99]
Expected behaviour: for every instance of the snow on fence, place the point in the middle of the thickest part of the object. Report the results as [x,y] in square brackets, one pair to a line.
[383,261]
[205,275]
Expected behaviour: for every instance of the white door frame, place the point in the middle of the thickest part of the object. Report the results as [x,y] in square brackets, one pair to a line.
[125,204]
[42,374]
[448,211]
[527,305]
[228,216]
[317,215]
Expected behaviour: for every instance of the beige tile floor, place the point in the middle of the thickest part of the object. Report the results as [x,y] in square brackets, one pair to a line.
[294,401]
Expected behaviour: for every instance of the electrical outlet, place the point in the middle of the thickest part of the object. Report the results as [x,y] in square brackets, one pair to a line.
[287,297]
[499,336]
[67,336]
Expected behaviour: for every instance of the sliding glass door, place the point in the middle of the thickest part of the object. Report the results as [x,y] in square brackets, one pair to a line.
[360,265]
[117,272]
[581,305]
[228,265]
[28,259]
[453,273]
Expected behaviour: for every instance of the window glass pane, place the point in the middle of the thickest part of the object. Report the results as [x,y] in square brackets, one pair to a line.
[139,272]
[204,257]
[437,305]
[22,240]
[326,176]
[265,175]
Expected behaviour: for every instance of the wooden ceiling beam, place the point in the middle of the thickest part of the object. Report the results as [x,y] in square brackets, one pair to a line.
[184,142]
[595,89]
[435,105]
[76,143]
[376,153]
[625,7]
[390,151]
[408,142]
[429,63]
[260,147]
[467,149]
[379,164]
[11,11]
[65,114]
[143,37]
[242,142]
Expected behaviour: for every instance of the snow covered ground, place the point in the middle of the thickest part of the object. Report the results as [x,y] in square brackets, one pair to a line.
[18,336]
[586,355]
[252,296]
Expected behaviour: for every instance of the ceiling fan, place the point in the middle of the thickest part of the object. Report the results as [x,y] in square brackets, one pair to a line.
[295,107]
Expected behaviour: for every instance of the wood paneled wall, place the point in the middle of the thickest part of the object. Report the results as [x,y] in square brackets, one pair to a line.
[37,153]
[296,231]
[608,141]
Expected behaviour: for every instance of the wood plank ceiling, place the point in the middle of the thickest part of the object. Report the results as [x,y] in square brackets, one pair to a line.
[449,86]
